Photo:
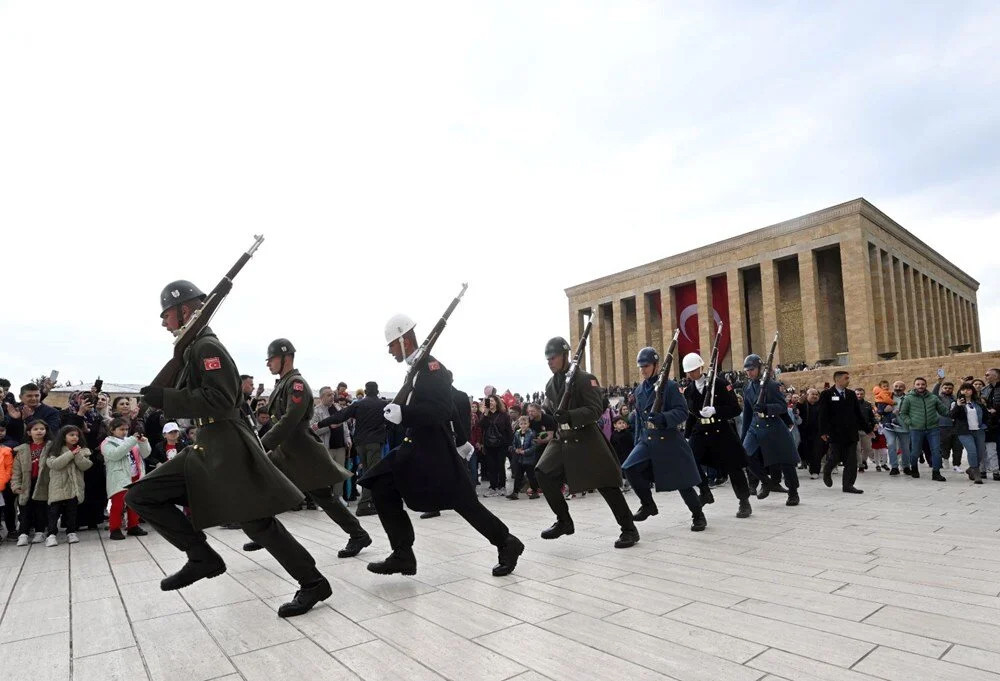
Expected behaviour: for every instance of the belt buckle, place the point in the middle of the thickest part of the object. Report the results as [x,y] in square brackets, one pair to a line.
[565,426]
[707,421]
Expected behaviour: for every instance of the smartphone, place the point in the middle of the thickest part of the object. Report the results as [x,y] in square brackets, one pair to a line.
[54,375]
[940,373]
[98,384]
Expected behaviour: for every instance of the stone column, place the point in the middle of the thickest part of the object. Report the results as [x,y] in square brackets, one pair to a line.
[931,317]
[621,341]
[597,345]
[737,324]
[903,309]
[706,323]
[889,278]
[878,297]
[668,311]
[938,318]
[769,296]
[978,347]
[809,290]
[967,316]
[574,329]
[858,306]
[956,326]
[642,337]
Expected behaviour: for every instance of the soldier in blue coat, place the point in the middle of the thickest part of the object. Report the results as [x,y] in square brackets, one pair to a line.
[766,429]
[661,456]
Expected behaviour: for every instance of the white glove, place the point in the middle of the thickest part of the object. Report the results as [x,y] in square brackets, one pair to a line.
[465,451]
[393,414]
[708,412]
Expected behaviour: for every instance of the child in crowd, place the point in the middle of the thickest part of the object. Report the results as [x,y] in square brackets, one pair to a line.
[622,441]
[522,458]
[28,481]
[123,465]
[65,459]
[882,393]
[880,448]
[167,448]
[7,505]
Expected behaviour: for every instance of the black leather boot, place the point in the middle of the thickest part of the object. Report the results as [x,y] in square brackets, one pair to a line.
[706,496]
[354,545]
[252,546]
[698,522]
[398,562]
[507,556]
[628,538]
[745,509]
[192,571]
[305,598]
[558,529]
[645,511]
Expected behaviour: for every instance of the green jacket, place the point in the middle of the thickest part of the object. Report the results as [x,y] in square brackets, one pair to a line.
[921,412]
[65,474]
[20,478]
[292,444]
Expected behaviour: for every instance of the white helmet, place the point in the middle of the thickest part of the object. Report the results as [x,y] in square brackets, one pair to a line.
[397,326]
[692,361]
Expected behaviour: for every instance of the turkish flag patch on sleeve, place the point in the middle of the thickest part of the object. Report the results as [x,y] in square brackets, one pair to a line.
[594,382]
[298,387]
[212,363]
[729,387]
[434,366]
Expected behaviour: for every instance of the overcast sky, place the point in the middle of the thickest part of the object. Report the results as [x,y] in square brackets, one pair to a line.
[390,152]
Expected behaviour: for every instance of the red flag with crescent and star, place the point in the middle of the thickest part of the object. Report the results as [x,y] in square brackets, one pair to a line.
[686,300]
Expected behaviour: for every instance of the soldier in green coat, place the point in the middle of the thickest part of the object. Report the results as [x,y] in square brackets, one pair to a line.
[225,477]
[580,456]
[299,453]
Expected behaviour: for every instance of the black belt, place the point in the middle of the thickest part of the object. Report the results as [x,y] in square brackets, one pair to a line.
[208,420]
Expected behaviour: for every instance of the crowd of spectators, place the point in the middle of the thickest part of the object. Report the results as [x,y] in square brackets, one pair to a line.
[70,467]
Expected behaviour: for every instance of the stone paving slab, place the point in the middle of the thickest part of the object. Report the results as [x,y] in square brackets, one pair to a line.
[902,583]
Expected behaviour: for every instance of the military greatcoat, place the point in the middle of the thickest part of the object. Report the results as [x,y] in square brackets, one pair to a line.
[292,444]
[581,455]
[229,477]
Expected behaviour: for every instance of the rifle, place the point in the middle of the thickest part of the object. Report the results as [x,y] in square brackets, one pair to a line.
[661,381]
[765,374]
[425,349]
[713,370]
[574,365]
[167,377]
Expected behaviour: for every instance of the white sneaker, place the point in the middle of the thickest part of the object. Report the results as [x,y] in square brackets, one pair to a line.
[71,538]
[22,540]
[37,538]
[957,469]
[51,541]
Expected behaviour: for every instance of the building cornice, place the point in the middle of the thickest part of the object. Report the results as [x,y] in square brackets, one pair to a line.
[859,206]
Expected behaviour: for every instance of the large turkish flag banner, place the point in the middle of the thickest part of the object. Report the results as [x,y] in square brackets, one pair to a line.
[686,300]
[720,303]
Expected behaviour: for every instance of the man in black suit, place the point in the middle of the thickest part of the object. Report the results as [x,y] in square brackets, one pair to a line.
[840,421]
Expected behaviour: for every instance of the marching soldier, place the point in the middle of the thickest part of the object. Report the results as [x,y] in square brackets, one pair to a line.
[580,457]
[711,433]
[426,471]
[766,429]
[661,455]
[226,477]
[299,453]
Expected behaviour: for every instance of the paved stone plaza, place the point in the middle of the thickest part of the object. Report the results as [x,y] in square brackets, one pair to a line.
[901,583]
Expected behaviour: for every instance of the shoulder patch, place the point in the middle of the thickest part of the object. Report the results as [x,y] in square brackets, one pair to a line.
[434,366]
[298,387]
[594,383]
[212,363]
[729,387]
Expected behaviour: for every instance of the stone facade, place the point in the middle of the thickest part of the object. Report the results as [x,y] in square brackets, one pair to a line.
[956,367]
[846,284]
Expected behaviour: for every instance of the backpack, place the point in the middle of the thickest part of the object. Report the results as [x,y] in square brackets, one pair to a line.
[492,437]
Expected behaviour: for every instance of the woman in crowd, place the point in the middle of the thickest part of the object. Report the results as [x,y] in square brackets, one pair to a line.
[497,434]
[29,481]
[476,440]
[969,415]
